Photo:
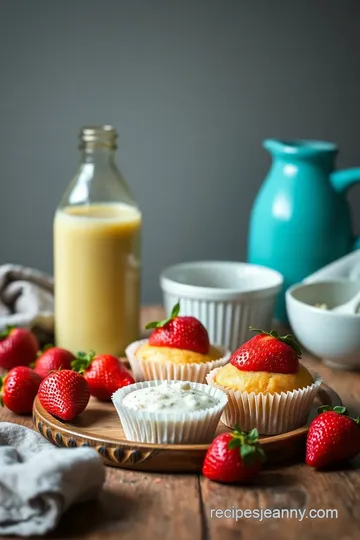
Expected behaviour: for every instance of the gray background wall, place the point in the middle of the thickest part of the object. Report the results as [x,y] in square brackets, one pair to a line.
[193,87]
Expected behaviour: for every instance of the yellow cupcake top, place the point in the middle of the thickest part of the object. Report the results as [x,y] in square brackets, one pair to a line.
[262,381]
[148,352]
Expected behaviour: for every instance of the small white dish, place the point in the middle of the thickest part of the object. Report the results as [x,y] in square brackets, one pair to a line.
[227,297]
[188,427]
[334,337]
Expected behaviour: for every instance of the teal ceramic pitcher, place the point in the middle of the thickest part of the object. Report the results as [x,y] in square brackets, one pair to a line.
[300,220]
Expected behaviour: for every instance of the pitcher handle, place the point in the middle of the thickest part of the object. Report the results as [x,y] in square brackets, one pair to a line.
[341,181]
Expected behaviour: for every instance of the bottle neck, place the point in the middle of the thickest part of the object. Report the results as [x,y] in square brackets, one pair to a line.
[101,157]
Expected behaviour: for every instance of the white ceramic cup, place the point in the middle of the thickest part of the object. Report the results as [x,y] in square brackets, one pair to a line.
[227,297]
[334,337]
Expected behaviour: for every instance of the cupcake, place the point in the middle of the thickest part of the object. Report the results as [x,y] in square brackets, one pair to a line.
[178,349]
[267,387]
[169,412]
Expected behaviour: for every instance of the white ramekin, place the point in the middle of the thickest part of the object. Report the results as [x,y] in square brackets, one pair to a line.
[150,370]
[227,297]
[190,427]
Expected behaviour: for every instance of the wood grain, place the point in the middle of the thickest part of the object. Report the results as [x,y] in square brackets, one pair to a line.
[137,505]
[289,488]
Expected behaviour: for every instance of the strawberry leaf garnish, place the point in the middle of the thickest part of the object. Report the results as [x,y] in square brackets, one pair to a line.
[248,444]
[82,361]
[288,339]
[159,324]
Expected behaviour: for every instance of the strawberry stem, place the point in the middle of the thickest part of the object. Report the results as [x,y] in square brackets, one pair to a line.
[82,361]
[288,339]
[250,449]
[159,324]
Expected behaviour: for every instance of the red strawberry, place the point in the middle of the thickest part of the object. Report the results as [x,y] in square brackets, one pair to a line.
[18,347]
[180,333]
[53,359]
[268,352]
[19,388]
[104,373]
[234,457]
[333,437]
[64,394]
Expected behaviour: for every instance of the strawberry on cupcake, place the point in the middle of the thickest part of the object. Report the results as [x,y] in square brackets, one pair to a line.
[267,387]
[178,349]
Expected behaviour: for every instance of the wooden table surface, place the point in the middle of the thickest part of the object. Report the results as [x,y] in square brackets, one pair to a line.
[151,506]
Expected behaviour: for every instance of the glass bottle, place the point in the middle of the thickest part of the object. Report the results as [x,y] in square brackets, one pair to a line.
[97,253]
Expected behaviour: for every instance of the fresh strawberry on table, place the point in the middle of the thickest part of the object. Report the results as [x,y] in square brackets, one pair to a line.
[333,437]
[52,359]
[64,394]
[104,373]
[267,351]
[18,347]
[180,332]
[18,389]
[234,457]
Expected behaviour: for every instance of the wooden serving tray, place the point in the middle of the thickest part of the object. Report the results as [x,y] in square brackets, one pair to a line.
[99,427]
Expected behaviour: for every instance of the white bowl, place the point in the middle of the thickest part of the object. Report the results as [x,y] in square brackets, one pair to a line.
[334,337]
[227,297]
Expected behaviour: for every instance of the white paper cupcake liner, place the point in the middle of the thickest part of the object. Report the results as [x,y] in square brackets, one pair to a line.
[269,413]
[190,427]
[147,371]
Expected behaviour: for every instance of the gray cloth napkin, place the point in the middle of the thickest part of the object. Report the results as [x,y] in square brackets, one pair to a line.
[27,299]
[38,481]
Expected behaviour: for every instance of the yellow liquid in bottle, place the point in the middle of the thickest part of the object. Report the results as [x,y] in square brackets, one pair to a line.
[97,277]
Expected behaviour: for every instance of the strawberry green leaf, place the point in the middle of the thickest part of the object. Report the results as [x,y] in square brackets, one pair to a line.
[159,324]
[6,332]
[153,324]
[82,361]
[250,448]
[175,311]
[288,339]
[252,453]
[234,443]
[340,410]
[324,408]
[247,450]
[253,435]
